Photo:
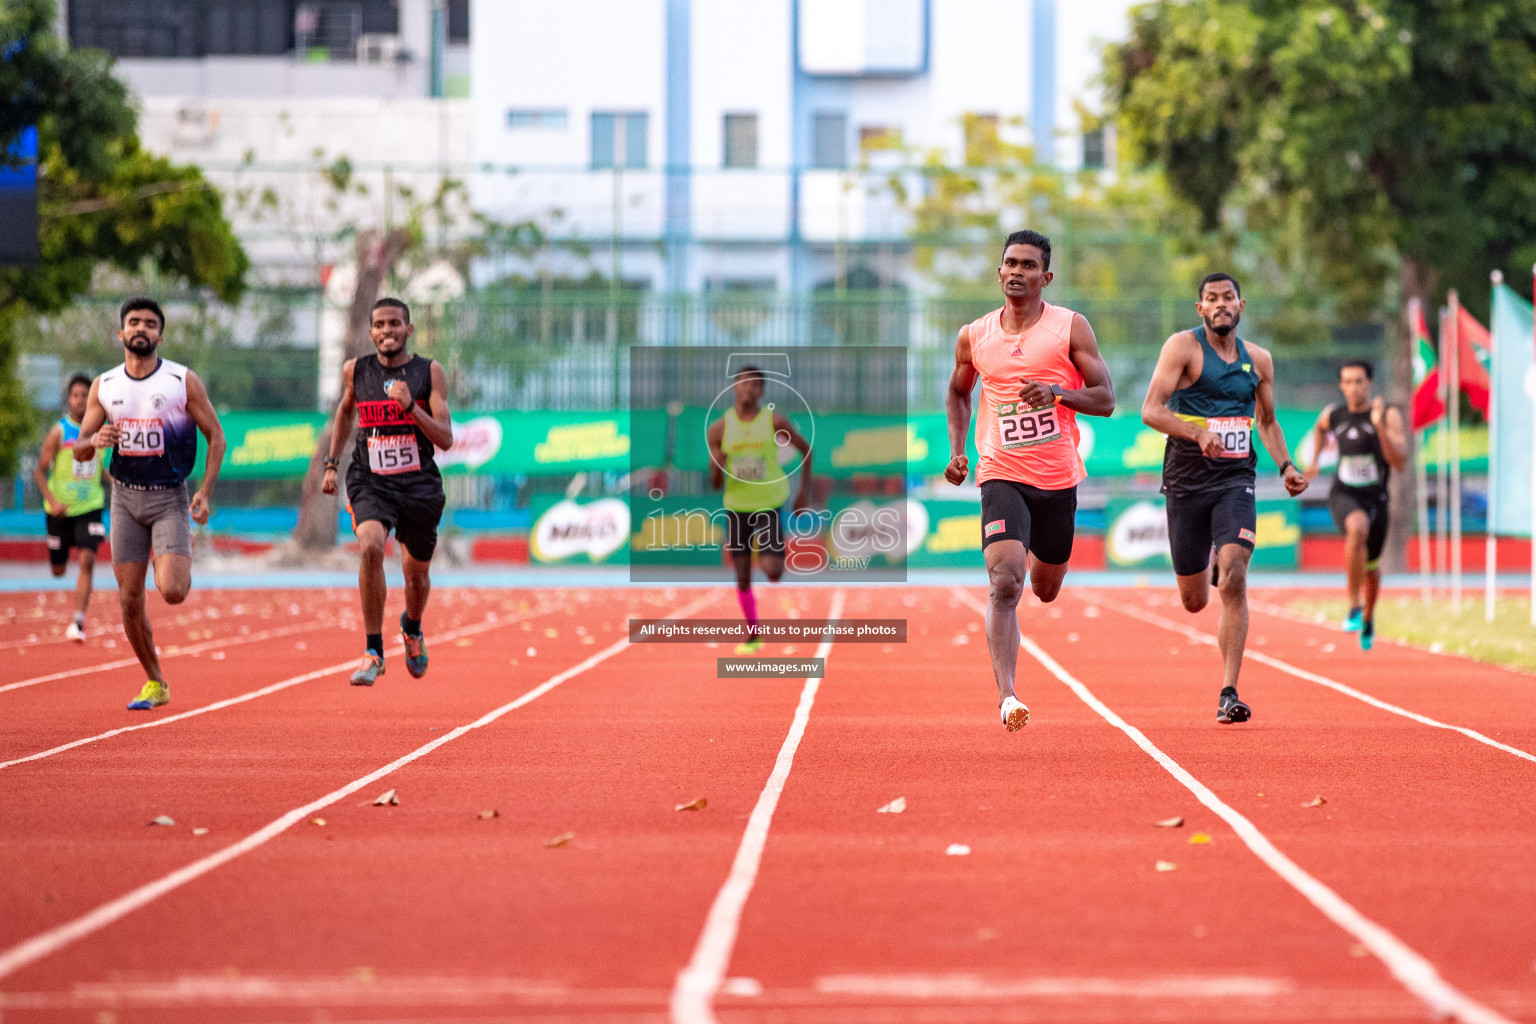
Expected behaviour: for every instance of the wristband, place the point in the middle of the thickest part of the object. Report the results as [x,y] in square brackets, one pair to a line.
[410,408]
[331,463]
[1284,464]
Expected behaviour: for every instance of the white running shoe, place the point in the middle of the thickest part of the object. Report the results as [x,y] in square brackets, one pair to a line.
[1015,714]
[75,633]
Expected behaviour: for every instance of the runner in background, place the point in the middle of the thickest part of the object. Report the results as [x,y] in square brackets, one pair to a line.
[1372,442]
[1209,392]
[1039,366]
[72,499]
[744,463]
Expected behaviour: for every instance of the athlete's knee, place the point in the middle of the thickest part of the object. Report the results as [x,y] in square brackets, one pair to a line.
[1047,590]
[1007,586]
[1234,581]
[774,572]
[175,593]
[371,548]
[57,570]
[1195,601]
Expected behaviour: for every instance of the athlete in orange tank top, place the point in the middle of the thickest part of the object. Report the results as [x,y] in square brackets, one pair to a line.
[1039,367]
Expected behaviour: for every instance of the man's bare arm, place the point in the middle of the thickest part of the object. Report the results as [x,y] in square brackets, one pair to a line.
[1097,395]
[207,420]
[435,420]
[715,436]
[957,408]
[51,445]
[1394,439]
[94,429]
[1267,424]
[1172,363]
[1319,441]
[803,496]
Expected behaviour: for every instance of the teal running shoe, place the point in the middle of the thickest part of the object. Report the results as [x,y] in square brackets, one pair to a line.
[1367,634]
[1353,620]
[415,651]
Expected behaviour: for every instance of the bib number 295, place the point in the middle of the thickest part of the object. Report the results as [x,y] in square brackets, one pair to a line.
[393,453]
[1019,426]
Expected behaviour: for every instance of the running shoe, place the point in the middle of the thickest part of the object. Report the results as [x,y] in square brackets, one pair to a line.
[371,668]
[1230,709]
[749,648]
[152,696]
[1353,620]
[415,651]
[75,633]
[1367,634]
[1015,714]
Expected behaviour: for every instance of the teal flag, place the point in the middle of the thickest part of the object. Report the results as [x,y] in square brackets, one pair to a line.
[1509,463]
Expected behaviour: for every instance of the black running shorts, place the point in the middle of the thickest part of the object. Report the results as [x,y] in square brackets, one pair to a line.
[765,526]
[83,531]
[1043,521]
[413,511]
[1344,500]
[1198,522]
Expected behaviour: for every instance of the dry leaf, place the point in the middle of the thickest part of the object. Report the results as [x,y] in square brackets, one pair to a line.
[386,799]
[486,815]
[1199,839]
[1166,865]
[1171,823]
[1316,801]
[957,850]
[199,831]
[162,820]
[560,840]
[693,805]
[317,821]
[894,807]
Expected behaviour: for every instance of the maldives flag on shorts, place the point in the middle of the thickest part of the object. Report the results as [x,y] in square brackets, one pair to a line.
[1426,404]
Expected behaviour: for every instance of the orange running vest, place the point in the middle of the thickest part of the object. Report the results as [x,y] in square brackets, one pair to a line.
[1030,446]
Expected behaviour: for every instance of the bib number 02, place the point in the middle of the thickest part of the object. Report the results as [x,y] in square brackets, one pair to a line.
[1236,433]
[393,453]
[1019,426]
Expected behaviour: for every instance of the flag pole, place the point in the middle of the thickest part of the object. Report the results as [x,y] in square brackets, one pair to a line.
[1442,463]
[1533,500]
[1420,470]
[1453,411]
[1491,534]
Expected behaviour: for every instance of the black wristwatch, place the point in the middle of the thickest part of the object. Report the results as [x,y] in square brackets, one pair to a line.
[331,463]
[1284,464]
[1056,390]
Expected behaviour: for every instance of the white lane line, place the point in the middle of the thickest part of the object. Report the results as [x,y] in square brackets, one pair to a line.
[974,986]
[453,634]
[1410,967]
[693,994]
[197,648]
[1312,677]
[31,950]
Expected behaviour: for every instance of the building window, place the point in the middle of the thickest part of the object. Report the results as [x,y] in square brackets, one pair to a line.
[618,140]
[548,120]
[740,140]
[458,21]
[829,139]
[1093,149]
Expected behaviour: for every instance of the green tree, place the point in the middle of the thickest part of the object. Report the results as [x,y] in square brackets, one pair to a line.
[103,202]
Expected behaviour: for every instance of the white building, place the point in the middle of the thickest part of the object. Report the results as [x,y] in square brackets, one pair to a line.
[716,144]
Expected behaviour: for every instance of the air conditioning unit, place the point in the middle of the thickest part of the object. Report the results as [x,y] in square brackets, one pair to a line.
[379,48]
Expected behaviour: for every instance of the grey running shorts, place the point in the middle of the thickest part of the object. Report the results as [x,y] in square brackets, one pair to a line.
[150,520]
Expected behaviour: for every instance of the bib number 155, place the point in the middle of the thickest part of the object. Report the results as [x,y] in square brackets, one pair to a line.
[393,453]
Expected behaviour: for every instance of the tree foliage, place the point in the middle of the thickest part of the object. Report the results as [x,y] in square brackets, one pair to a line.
[1370,142]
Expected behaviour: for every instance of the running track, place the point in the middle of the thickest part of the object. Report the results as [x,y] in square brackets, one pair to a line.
[1409,890]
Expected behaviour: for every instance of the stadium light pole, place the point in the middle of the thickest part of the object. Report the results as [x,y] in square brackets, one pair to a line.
[1454,411]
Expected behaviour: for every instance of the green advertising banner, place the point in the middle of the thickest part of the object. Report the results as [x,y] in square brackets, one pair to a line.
[266,445]
[1137,536]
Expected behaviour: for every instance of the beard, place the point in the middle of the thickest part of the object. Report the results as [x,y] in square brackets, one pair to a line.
[1222,328]
[140,344]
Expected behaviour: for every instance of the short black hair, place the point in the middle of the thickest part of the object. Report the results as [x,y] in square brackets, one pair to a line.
[1034,238]
[75,382]
[389,302]
[1364,364]
[752,372]
[1218,276]
[137,303]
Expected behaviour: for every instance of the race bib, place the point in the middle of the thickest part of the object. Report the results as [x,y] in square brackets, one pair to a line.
[393,453]
[140,437]
[1358,470]
[83,470]
[749,467]
[1236,433]
[1019,426]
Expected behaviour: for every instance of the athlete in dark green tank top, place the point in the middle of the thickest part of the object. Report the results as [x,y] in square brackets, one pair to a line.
[1210,393]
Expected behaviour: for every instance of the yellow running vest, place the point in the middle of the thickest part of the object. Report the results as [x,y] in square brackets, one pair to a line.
[75,485]
[754,480]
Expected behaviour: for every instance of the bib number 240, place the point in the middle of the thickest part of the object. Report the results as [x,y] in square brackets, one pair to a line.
[1019,426]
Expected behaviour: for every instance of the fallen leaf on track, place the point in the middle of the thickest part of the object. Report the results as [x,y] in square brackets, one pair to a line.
[162,820]
[1166,865]
[386,799]
[199,831]
[1199,839]
[693,805]
[487,815]
[957,850]
[894,807]
[1170,823]
[1316,801]
[560,840]
[317,821]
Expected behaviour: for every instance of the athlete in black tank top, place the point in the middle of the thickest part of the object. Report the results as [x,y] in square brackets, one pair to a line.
[1211,393]
[401,404]
[1371,442]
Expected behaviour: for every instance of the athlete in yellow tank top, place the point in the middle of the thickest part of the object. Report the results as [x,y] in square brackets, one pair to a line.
[73,499]
[744,447]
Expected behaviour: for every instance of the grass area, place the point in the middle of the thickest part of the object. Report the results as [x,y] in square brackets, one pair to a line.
[1509,640]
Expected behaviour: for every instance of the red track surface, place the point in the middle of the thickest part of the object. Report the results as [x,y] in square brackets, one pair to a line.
[427,911]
